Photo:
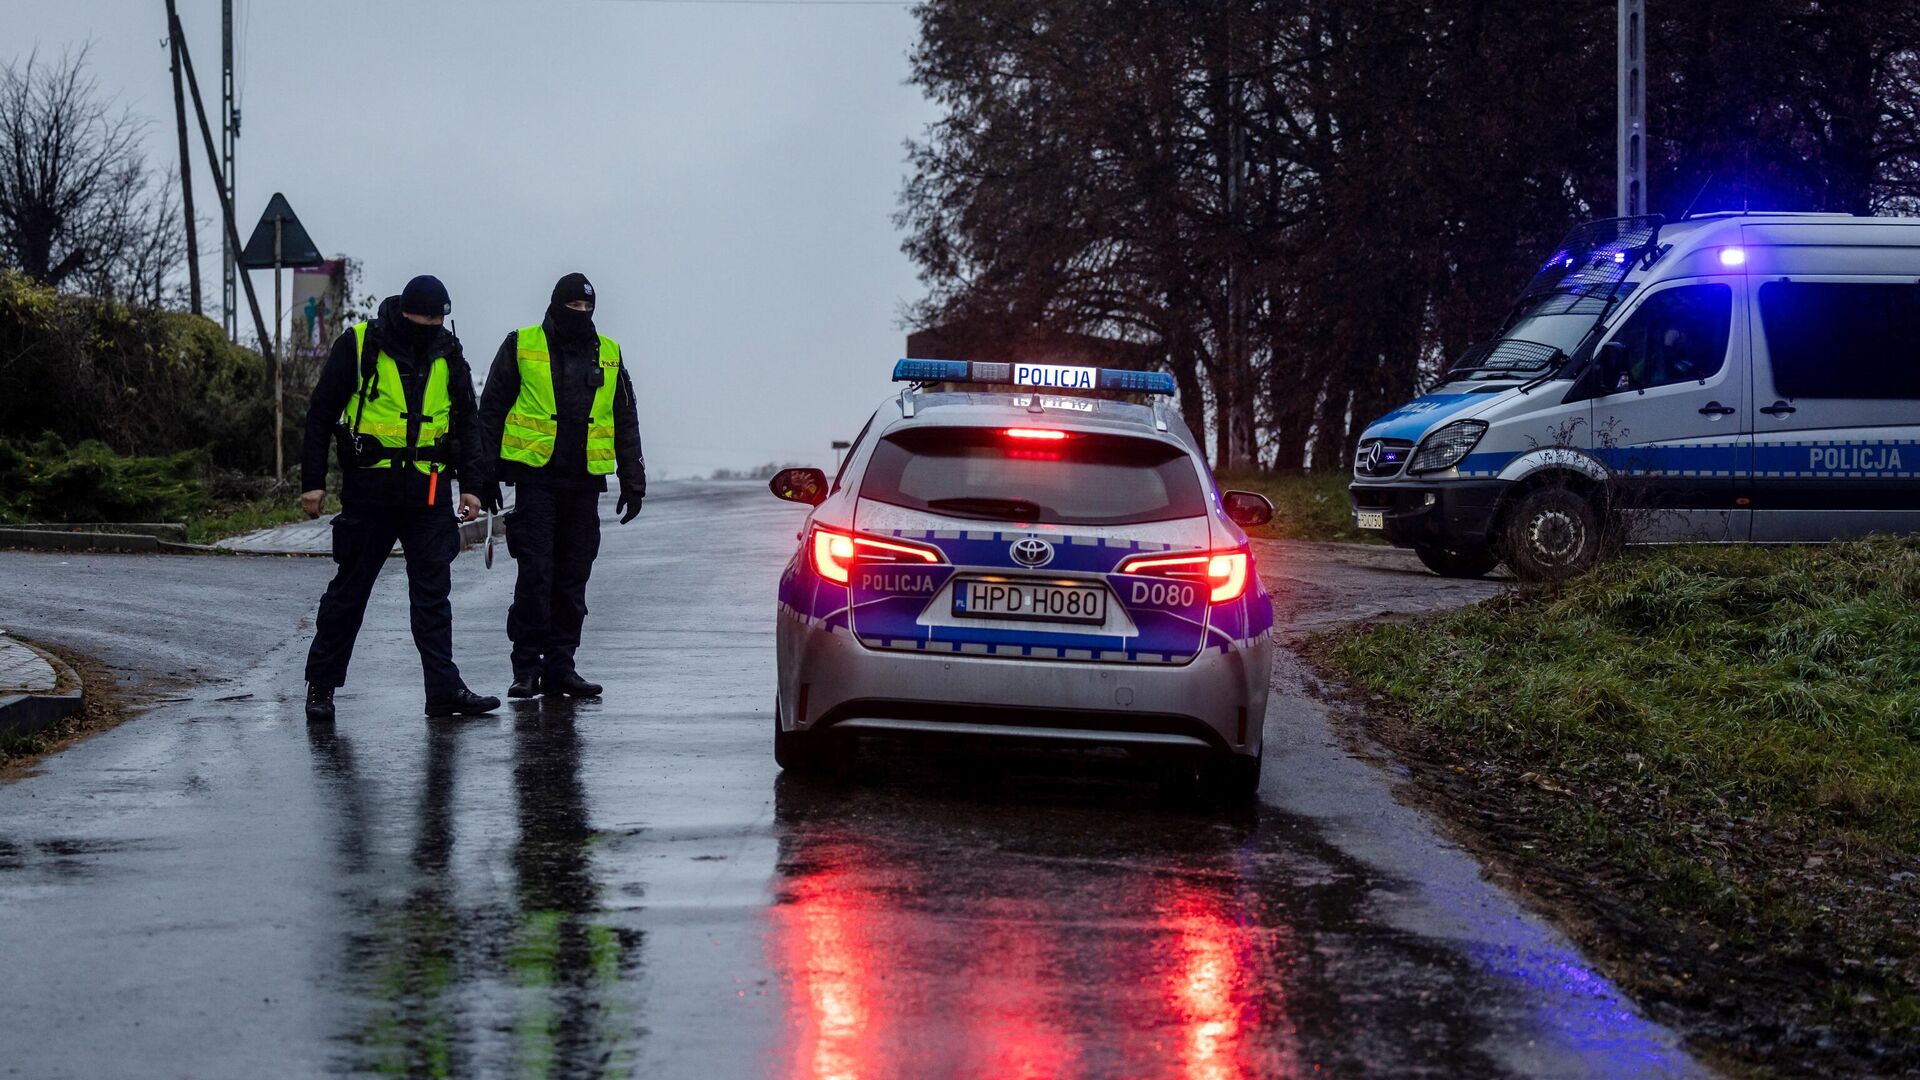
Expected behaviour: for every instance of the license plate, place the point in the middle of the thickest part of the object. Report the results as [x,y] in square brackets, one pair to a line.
[1370,519]
[991,598]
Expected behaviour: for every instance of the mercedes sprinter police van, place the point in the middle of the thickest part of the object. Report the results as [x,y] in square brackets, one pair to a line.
[1727,378]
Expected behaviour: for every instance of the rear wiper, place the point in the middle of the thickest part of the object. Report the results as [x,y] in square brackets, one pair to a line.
[981,506]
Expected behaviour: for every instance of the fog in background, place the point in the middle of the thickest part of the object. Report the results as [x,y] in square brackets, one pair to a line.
[724,173]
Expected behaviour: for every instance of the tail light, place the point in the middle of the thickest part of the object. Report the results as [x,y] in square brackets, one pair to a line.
[835,552]
[1225,572]
[1036,434]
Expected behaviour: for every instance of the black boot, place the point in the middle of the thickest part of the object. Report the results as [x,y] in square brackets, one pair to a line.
[571,685]
[462,702]
[319,704]
[525,686]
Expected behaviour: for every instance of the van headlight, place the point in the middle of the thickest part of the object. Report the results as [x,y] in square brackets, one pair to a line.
[1444,448]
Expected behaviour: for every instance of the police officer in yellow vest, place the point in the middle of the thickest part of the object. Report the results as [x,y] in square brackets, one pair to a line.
[396,398]
[558,417]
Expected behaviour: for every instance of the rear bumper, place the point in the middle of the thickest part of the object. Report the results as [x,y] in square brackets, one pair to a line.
[1217,702]
[1453,514]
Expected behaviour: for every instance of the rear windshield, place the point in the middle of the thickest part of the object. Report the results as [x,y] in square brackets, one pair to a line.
[1083,479]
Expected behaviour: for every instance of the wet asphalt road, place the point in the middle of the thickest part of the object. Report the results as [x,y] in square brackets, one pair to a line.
[628,887]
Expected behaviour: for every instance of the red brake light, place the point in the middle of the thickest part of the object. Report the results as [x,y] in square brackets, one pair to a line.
[1225,571]
[835,552]
[832,555]
[1043,434]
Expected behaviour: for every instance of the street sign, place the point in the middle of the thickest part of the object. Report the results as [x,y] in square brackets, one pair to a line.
[295,247]
[278,241]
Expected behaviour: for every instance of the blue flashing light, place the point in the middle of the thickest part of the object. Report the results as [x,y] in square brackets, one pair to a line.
[1141,382]
[1733,256]
[1058,378]
[930,371]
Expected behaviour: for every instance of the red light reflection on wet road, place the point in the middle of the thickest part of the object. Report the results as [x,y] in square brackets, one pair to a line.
[1213,1000]
[1167,979]
[831,962]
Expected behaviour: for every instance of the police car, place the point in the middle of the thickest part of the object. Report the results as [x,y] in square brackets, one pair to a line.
[1728,378]
[1025,563]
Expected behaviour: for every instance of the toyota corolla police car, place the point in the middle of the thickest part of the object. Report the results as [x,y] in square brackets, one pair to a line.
[1025,564]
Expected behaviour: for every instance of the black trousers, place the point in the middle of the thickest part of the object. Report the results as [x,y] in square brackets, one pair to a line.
[554,534]
[362,538]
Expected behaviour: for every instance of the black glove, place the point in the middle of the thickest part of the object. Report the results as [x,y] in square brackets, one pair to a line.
[491,498]
[629,505]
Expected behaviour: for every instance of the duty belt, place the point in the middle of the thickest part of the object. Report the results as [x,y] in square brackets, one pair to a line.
[373,455]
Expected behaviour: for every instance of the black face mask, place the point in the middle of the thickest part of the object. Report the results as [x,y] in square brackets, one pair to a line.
[421,338]
[570,324]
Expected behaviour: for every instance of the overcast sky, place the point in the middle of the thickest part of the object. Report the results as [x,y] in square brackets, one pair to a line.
[723,172]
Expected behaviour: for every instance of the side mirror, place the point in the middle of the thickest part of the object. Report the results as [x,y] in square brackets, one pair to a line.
[800,485]
[1613,365]
[1246,508]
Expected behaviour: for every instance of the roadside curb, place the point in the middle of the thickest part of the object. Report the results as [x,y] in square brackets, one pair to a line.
[157,542]
[471,533]
[23,714]
[73,540]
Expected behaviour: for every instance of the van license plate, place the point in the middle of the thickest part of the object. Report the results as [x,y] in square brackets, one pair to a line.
[1370,519]
[978,598]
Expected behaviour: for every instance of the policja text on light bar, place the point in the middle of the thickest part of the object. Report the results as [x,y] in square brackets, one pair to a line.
[1061,377]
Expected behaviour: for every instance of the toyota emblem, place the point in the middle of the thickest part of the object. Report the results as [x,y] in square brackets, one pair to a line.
[1032,551]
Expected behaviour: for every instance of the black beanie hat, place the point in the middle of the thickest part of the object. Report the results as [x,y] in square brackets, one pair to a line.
[573,287]
[425,295]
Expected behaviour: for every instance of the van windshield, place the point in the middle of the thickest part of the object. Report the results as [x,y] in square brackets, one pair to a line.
[1573,292]
[1078,478]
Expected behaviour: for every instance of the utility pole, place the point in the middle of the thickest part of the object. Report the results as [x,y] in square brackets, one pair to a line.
[229,134]
[219,178]
[186,163]
[1631,109]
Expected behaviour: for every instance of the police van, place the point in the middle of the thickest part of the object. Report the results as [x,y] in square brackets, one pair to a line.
[1005,556]
[1727,378]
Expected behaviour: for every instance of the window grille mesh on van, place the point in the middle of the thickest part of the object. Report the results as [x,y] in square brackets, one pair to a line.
[1507,354]
[1594,257]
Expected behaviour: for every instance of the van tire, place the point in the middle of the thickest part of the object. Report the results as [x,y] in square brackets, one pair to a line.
[795,751]
[1551,534]
[1472,562]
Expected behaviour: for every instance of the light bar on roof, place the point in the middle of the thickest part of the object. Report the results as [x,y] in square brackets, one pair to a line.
[1059,377]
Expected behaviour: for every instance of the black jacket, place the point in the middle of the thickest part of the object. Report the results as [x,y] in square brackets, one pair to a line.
[340,378]
[573,365]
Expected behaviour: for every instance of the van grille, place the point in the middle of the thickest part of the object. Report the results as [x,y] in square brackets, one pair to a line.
[1381,457]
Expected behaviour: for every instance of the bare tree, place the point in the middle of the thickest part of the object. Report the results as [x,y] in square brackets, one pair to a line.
[79,207]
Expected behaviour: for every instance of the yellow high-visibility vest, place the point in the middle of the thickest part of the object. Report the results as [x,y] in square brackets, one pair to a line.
[535,419]
[378,408]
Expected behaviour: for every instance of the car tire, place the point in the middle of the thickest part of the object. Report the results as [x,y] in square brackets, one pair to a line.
[795,751]
[1551,534]
[1233,779]
[1472,562]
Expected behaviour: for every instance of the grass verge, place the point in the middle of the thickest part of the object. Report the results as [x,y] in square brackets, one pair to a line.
[103,708]
[1709,761]
[237,518]
[1305,507]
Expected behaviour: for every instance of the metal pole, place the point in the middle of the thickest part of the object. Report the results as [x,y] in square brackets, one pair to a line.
[219,179]
[186,166]
[229,131]
[279,360]
[1631,110]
